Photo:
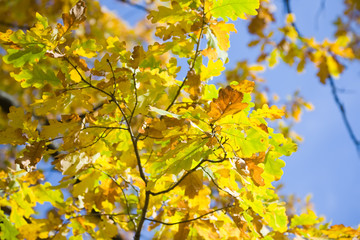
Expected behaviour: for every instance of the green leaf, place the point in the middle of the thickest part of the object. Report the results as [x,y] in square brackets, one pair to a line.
[19,57]
[233,9]
[210,92]
[276,217]
[164,113]
[7,230]
[36,77]
[42,20]
[304,219]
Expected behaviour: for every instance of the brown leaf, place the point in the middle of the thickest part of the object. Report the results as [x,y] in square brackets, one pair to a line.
[78,12]
[323,73]
[32,156]
[75,16]
[184,229]
[137,56]
[229,102]
[194,84]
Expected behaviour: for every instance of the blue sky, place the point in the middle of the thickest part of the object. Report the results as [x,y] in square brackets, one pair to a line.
[326,164]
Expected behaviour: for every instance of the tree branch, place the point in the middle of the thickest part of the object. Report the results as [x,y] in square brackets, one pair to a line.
[340,106]
[138,6]
[189,220]
[13,25]
[143,216]
[185,175]
[215,183]
[123,192]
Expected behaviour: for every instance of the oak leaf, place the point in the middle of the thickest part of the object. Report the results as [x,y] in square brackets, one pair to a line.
[32,156]
[75,16]
[229,102]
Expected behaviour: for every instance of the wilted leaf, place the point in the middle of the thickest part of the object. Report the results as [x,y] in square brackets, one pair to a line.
[75,16]
[32,155]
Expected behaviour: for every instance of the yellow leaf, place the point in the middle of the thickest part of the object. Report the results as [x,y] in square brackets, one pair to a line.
[265,112]
[244,86]
[222,32]
[212,70]
[75,76]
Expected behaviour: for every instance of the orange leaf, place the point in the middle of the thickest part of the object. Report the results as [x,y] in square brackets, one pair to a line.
[256,171]
[229,102]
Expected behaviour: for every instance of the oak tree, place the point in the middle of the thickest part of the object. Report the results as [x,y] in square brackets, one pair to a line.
[141,141]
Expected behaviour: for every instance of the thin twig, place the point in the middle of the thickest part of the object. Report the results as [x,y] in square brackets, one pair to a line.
[138,6]
[105,127]
[13,25]
[113,74]
[189,220]
[136,97]
[214,182]
[187,174]
[123,192]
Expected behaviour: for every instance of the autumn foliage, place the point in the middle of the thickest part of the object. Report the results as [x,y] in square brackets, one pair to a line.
[141,142]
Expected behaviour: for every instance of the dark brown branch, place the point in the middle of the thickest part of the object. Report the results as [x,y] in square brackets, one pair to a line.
[13,25]
[134,141]
[143,216]
[189,220]
[340,106]
[105,127]
[187,174]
